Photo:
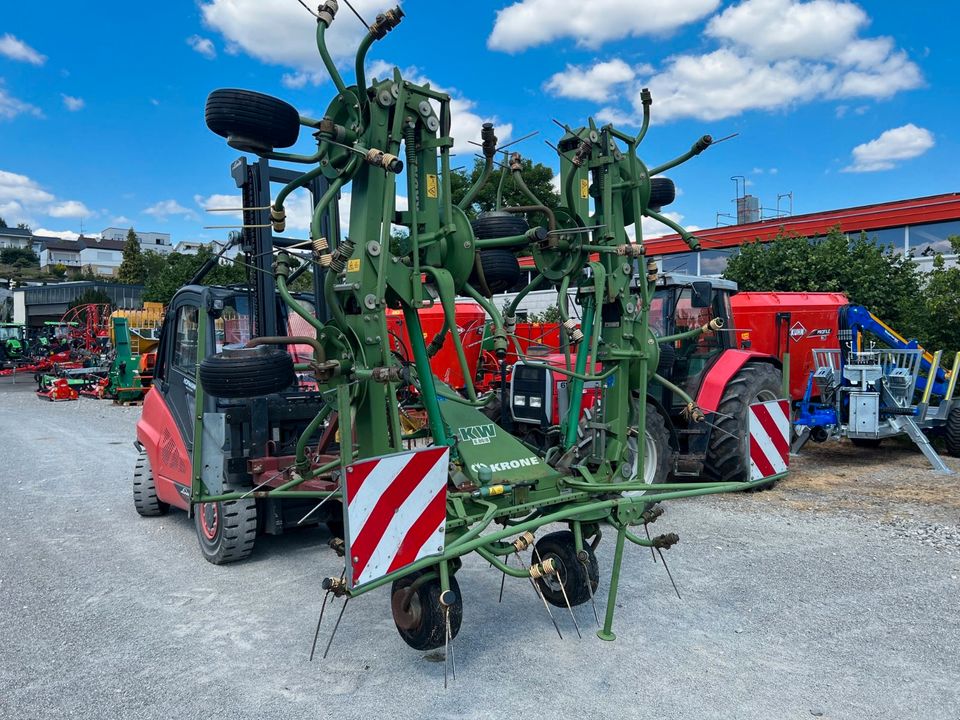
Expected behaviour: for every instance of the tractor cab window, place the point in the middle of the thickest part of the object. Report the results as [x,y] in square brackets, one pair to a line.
[694,355]
[185,340]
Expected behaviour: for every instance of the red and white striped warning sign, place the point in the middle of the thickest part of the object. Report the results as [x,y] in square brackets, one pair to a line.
[769,438]
[396,511]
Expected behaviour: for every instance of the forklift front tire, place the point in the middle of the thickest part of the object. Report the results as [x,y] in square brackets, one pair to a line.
[247,372]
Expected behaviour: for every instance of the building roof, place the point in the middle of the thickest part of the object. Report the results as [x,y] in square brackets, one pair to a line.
[915,211]
[15,232]
[55,243]
[100,244]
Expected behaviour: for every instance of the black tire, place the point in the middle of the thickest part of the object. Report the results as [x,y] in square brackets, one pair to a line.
[501,271]
[226,530]
[419,617]
[252,121]
[662,193]
[247,372]
[145,491]
[867,442]
[498,224]
[953,433]
[668,357]
[334,521]
[657,447]
[580,580]
[728,452]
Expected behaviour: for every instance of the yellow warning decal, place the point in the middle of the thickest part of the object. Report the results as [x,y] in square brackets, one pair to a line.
[432,186]
[584,189]
[353,265]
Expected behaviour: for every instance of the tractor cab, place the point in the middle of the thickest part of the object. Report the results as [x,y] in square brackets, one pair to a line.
[13,344]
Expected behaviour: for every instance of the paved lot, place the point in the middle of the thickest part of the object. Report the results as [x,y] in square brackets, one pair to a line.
[834,595]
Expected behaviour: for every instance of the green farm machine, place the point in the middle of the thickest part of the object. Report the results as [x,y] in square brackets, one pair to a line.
[269,408]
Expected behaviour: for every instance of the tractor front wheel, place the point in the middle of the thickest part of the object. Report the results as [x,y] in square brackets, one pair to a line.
[579,576]
[226,530]
[728,452]
[418,614]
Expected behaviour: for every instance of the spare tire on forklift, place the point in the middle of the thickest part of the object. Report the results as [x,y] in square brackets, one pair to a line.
[728,452]
[501,271]
[498,224]
[247,372]
[252,121]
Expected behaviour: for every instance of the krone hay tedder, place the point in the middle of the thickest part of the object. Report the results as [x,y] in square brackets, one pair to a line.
[409,516]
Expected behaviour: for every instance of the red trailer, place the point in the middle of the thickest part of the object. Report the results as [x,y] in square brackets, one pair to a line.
[773,323]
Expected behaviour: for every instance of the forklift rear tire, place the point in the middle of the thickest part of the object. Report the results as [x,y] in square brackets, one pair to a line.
[953,433]
[252,121]
[247,372]
[226,530]
[418,614]
[145,491]
[580,579]
[501,270]
[728,453]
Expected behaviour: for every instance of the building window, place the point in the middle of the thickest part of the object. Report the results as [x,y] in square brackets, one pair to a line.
[894,239]
[104,255]
[714,262]
[681,263]
[933,238]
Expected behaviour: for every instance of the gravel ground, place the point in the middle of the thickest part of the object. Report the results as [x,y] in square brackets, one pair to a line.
[833,595]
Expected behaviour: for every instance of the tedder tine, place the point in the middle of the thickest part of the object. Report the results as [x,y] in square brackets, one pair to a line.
[334,633]
[503,580]
[564,591]
[584,559]
[542,598]
[669,574]
[316,634]
[646,529]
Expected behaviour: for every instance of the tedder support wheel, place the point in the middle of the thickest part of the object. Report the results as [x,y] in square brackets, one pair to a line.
[252,121]
[867,442]
[728,453]
[247,372]
[580,578]
[953,432]
[144,491]
[418,614]
[662,193]
[226,530]
[501,270]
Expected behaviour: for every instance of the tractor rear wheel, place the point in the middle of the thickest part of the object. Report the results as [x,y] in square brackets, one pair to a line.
[420,618]
[247,372]
[580,577]
[145,491]
[953,432]
[728,452]
[226,530]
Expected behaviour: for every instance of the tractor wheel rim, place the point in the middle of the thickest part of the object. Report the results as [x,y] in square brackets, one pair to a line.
[209,520]
[407,611]
[650,459]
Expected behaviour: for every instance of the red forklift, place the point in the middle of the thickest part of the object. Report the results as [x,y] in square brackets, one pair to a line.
[250,428]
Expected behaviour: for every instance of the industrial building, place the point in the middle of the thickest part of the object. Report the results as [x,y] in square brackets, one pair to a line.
[36,304]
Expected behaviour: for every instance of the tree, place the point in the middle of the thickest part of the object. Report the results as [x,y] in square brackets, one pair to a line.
[537,177]
[3,223]
[177,269]
[21,257]
[23,226]
[870,275]
[935,319]
[132,271]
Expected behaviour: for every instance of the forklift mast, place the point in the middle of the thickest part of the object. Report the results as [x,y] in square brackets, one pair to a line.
[258,241]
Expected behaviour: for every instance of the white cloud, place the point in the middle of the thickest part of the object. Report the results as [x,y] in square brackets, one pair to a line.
[73,104]
[772,55]
[169,208]
[203,46]
[220,202]
[779,29]
[902,143]
[10,106]
[69,209]
[62,234]
[21,189]
[528,23]
[283,33]
[594,82]
[17,49]
[121,221]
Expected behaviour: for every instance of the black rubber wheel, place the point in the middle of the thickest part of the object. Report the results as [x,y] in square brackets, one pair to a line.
[418,614]
[247,372]
[867,442]
[580,579]
[251,121]
[657,450]
[498,224]
[662,193]
[145,491]
[728,452]
[953,432]
[501,271]
[226,530]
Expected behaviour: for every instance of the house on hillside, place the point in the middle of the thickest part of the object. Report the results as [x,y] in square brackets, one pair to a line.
[54,251]
[102,257]
[149,241]
[16,238]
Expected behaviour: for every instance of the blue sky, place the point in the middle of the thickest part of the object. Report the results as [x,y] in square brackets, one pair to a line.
[101,104]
